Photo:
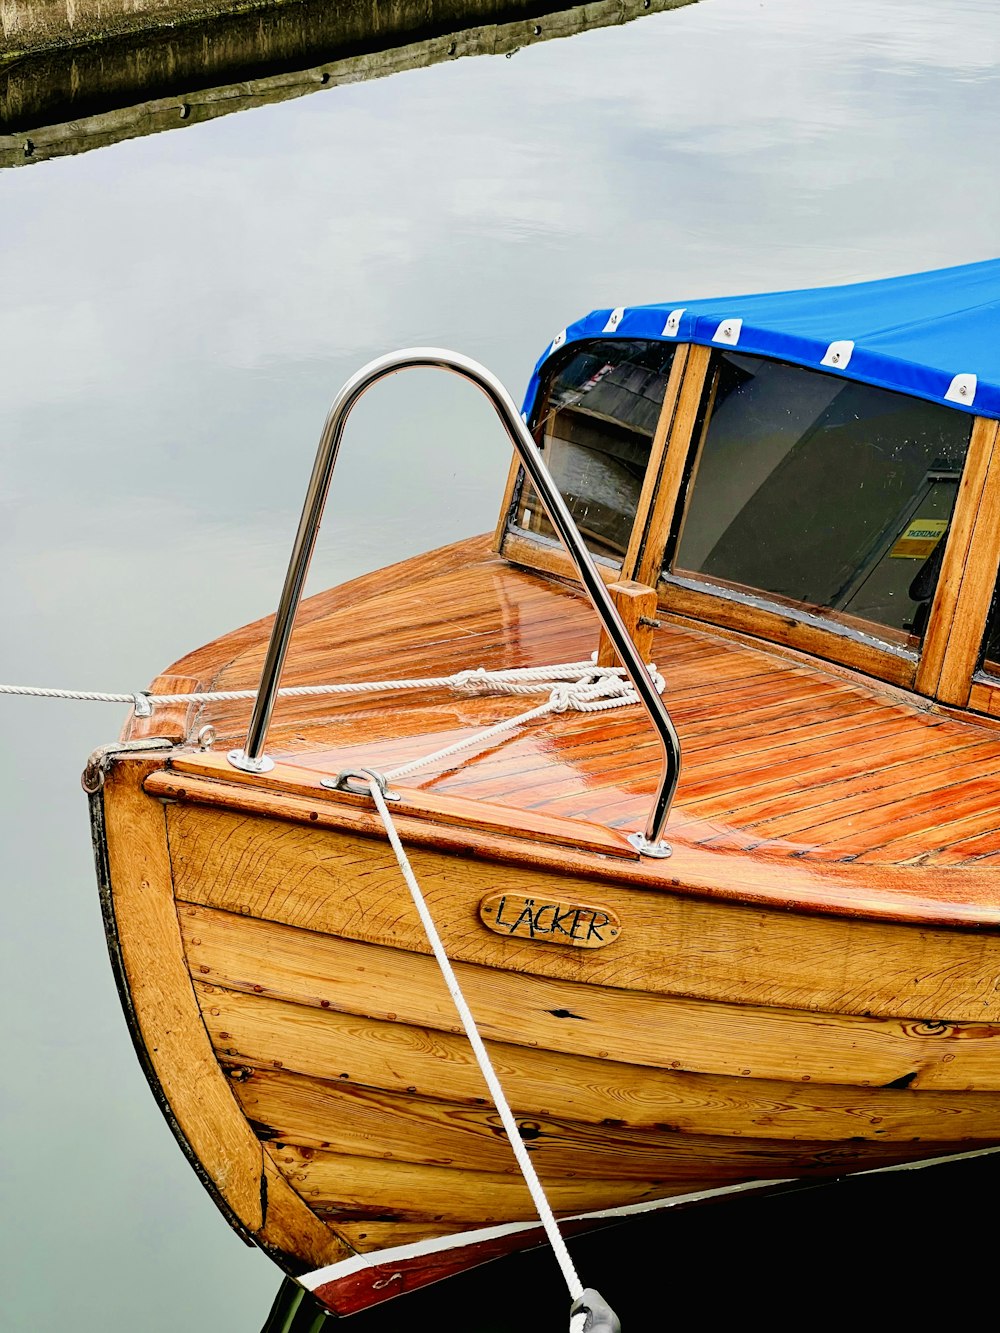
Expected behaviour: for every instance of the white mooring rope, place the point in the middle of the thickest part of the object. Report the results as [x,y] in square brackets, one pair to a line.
[517,680]
[583,687]
[542,1206]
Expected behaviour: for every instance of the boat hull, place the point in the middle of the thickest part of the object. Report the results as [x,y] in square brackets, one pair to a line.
[291,1019]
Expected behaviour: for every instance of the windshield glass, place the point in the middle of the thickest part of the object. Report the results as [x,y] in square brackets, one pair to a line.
[595,417]
[818,492]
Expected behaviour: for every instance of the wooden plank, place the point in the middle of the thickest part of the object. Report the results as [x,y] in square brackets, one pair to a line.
[650,563]
[936,778]
[172,721]
[722,705]
[344,885]
[636,604]
[550,558]
[652,481]
[318,1116]
[169,1026]
[442,809]
[985,698]
[371,1234]
[916,820]
[349,1187]
[323,1116]
[340,884]
[972,818]
[971,844]
[785,629]
[357,1187]
[513,473]
[290,1223]
[323,971]
[205,871]
[846,738]
[342,1185]
[855,782]
[954,636]
[170,1031]
[614,762]
[350,1061]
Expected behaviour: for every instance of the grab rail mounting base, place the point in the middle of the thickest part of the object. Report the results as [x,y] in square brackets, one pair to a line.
[241,760]
[658,849]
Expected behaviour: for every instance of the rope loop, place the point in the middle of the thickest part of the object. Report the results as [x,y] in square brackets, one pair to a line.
[358,782]
[563,698]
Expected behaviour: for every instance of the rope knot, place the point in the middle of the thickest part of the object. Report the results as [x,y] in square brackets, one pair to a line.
[597,691]
[581,695]
[475,680]
[563,697]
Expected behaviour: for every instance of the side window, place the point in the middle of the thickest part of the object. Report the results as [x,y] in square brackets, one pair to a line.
[818,493]
[594,420]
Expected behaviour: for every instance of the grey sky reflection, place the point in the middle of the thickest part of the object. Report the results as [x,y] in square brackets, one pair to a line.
[177,312]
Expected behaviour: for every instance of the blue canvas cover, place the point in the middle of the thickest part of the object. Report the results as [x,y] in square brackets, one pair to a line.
[934,335]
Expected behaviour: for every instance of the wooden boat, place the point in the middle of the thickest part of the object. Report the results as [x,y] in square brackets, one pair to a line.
[806,488]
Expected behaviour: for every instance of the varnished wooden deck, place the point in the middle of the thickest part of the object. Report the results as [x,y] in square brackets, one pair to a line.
[783,757]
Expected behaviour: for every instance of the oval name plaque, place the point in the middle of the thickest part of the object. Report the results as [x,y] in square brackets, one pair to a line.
[581,925]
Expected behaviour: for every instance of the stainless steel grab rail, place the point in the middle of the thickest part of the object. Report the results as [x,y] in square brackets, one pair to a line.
[252,758]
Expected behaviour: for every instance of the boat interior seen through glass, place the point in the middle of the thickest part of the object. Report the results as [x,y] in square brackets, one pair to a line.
[819,494]
[595,416]
[989,660]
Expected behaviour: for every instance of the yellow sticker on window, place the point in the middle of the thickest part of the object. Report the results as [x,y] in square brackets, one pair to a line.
[919,539]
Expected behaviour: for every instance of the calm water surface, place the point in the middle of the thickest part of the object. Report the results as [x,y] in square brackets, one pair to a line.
[175,315]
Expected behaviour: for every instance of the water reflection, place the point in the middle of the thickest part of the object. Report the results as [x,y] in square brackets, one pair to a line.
[177,312]
[91,96]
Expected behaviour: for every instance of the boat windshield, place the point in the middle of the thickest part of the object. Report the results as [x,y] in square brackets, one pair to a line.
[594,420]
[821,494]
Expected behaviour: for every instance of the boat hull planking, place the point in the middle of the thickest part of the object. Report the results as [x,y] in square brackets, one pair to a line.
[304,1045]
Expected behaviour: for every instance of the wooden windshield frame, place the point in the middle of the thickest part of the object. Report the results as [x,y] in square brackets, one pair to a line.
[943,667]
